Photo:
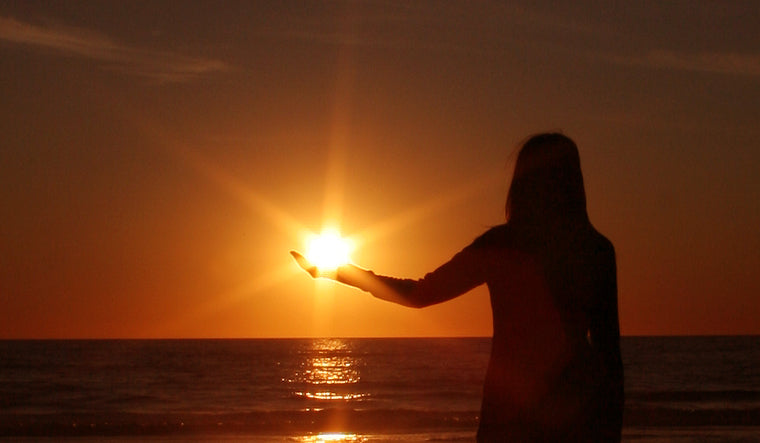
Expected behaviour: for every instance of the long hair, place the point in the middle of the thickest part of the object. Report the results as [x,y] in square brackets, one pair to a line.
[547,184]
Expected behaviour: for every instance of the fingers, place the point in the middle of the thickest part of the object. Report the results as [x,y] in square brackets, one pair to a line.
[305,264]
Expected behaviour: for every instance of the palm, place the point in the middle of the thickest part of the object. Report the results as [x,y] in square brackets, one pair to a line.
[305,264]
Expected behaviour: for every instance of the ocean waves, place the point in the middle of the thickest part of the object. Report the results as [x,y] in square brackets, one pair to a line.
[323,420]
[363,386]
[254,422]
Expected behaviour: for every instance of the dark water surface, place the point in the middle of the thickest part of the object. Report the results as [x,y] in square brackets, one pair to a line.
[678,389]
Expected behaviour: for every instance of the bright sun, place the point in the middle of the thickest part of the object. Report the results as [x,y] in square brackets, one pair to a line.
[328,250]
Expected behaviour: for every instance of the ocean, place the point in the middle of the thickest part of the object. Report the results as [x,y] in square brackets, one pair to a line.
[683,389]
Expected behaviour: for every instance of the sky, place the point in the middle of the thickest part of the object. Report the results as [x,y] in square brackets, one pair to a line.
[160,158]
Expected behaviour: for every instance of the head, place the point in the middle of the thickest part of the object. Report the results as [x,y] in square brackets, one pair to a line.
[547,184]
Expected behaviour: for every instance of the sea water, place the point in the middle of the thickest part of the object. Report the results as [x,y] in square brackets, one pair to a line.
[704,389]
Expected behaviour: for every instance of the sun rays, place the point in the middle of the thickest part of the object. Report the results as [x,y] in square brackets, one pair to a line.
[425,210]
[278,218]
[295,233]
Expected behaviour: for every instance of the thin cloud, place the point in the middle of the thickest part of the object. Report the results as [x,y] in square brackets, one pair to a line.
[709,62]
[156,65]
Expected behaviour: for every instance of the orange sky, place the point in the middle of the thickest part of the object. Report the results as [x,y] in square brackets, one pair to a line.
[160,159]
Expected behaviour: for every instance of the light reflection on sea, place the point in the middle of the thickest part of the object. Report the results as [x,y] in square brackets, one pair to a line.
[332,437]
[329,372]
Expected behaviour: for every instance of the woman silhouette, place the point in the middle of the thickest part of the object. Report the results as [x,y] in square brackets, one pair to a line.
[555,372]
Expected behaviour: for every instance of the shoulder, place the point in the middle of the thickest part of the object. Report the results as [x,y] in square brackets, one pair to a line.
[601,242]
[498,236]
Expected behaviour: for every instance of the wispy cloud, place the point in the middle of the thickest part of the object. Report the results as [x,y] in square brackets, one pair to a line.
[710,62]
[77,42]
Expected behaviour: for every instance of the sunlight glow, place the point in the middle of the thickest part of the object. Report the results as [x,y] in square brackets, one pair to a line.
[329,250]
[330,437]
[327,395]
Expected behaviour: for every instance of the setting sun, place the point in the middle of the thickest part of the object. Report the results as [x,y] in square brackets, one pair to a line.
[328,250]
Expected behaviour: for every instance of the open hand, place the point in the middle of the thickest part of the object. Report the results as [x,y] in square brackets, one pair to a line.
[347,274]
[306,265]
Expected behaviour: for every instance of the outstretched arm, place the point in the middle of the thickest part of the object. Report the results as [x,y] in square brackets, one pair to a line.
[454,278]
[385,288]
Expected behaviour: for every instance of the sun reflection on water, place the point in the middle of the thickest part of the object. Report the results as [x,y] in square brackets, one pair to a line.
[328,371]
[335,436]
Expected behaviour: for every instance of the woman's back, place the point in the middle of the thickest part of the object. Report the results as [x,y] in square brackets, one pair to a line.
[555,356]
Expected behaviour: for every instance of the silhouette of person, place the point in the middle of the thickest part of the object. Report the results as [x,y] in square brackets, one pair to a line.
[555,373]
